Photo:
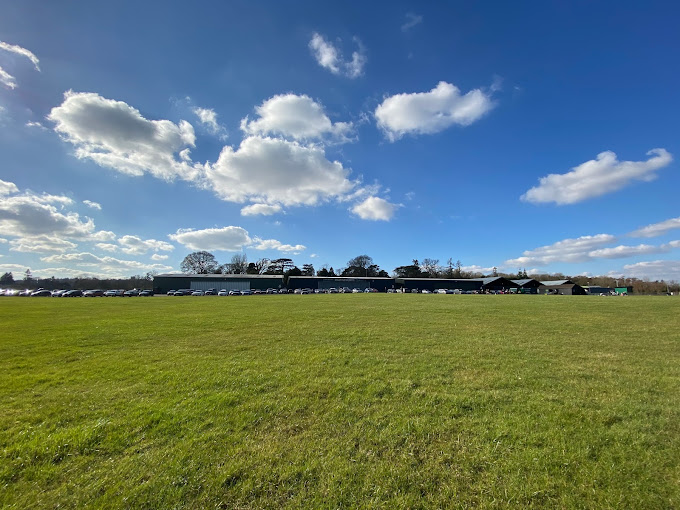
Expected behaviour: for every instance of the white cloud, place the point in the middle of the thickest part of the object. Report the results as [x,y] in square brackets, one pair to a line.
[7,188]
[157,257]
[7,79]
[595,178]
[208,118]
[313,256]
[103,265]
[136,246]
[115,135]
[330,57]
[628,251]
[654,270]
[375,208]
[36,125]
[107,247]
[225,238]
[411,21]
[586,248]
[21,51]
[298,117]
[273,244]
[431,112]
[93,205]
[28,215]
[3,240]
[260,209]
[229,239]
[41,244]
[657,229]
[568,250]
[275,171]
[478,269]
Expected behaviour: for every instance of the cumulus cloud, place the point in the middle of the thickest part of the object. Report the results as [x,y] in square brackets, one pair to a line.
[158,257]
[12,48]
[103,265]
[228,239]
[431,112]
[107,247]
[7,188]
[654,270]
[41,244]
[276,171]
[375,208]
[330,57]
[7,79]
[225,238]
[597,177]
[273,244]
[657,229]
[93,205]
[134,245]
[115,135]
[208,118]
[586,248]
[297,117]
[568,250]
[260,209]
[411,21]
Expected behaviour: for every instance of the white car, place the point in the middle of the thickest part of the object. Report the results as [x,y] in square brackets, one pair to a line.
[440,291]
[425,291]
[223,292]
[198,293]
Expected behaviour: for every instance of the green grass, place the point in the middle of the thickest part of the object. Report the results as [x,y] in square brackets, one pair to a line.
[340,401]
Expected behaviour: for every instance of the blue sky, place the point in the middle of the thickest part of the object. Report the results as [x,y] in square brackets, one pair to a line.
[538,135]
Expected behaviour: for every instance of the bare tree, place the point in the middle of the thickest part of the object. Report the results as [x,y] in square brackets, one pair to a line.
[238,264]
[431,267]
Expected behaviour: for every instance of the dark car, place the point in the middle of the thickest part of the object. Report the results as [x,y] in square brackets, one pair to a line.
[211,292]
[73,293]
[93,293]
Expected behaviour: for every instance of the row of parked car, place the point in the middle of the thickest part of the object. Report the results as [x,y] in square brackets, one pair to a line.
[75,293]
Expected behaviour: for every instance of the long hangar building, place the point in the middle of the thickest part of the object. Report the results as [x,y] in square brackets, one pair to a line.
[166,282]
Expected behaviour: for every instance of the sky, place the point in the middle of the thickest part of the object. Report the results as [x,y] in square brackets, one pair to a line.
[536,135]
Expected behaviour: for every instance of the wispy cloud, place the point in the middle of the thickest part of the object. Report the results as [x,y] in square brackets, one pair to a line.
[330,57]
[12,48]
[657,229]
[411,21]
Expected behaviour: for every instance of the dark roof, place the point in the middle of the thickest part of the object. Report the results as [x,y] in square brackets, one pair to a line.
[345,277]
[524,281]
[554,283]
[219,276]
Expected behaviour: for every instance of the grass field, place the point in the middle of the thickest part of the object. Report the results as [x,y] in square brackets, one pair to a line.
[340,401]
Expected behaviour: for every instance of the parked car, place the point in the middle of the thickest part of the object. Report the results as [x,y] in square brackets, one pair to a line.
[258,291]
[131,293]
[93,293]
[425,291]
[211,292]
[246,292]
[198,293]
[391,291]
[114,293]
[171,292]
[332,290]
[73,293]
[223,292]
[41,293]
[146,293]
[306,291]
[283,291]
[183,292]
[271,291]
[234,292]
[58,293]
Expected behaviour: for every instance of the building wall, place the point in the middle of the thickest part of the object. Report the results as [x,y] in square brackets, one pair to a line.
[162,284]
[323,282]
